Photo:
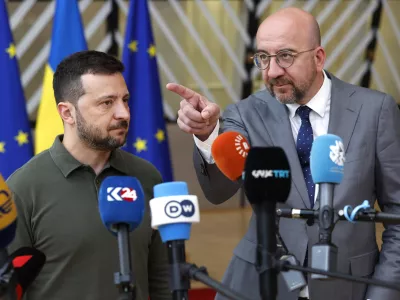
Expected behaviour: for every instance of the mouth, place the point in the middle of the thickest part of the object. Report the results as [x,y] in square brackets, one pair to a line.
[280,85]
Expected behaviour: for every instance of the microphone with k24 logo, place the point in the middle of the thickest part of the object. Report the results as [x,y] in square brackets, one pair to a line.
[173,211]
[121,206]
[326,163]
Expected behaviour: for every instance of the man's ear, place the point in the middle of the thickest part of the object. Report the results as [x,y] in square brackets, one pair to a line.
[67,112]
[320,58]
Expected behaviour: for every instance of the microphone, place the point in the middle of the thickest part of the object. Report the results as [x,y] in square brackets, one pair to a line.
[121,206]
[267,180]
[229,151]
[27,263]
[294,279]
[8,226]
[326,164]
[173,211]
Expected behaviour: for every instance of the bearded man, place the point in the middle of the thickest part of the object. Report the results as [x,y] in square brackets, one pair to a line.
[56,191]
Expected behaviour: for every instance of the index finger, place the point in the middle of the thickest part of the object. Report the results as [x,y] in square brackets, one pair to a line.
[185,93]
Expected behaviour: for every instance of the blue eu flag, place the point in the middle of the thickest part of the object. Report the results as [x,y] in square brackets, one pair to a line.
[15,135]
[147,136]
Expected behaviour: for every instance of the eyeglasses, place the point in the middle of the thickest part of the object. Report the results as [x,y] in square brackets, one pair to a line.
[284,58]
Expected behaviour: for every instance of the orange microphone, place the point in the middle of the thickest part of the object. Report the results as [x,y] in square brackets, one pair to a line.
[229,151]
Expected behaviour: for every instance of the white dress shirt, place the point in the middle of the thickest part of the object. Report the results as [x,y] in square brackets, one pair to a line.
[319,118]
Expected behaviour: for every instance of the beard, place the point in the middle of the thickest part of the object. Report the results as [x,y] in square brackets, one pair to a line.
[93,137]
[297,91]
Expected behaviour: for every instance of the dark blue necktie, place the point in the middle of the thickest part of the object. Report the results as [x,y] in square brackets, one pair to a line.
[304,142]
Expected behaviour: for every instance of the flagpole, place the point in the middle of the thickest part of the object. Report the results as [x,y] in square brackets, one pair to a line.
[112,28]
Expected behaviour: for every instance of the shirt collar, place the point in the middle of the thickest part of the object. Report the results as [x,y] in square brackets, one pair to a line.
[317,103]
[67,163]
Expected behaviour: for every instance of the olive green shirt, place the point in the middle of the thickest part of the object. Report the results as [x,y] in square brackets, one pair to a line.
[57,204]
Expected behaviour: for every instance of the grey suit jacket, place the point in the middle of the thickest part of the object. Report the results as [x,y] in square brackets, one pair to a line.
[368,121]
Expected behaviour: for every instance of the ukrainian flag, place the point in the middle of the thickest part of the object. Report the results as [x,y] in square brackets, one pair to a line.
[147,137]
[67,38]
[15,134]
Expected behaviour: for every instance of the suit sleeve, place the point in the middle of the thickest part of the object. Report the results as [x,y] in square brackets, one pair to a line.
[216,187]
[387,174]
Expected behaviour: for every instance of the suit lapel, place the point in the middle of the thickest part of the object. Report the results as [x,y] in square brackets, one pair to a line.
[275,118]
[344,111]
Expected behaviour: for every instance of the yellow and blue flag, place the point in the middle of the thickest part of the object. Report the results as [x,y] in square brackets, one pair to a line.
[67,37]
[15,134]
[147,137]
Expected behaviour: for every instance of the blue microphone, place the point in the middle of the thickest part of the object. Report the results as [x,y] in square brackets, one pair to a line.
[327,165]
[173,211]
[121,206]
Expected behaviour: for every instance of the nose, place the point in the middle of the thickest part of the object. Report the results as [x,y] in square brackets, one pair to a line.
[122,110]
[274,70]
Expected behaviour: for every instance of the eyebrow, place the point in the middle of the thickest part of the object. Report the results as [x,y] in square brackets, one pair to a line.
[280,50]
[111,96]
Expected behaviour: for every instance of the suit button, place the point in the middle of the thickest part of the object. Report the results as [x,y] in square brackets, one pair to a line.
[202,169]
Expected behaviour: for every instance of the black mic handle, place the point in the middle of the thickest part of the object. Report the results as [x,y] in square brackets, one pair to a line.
[285,266]
[371,215]
[179,283]
[266,249]
[200,274]
[124,279]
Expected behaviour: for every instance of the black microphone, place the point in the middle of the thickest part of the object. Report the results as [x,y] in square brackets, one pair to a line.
[267,180]
[27,263]
[326,163]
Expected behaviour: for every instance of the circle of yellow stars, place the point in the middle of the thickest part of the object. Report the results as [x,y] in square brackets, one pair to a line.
[141,144]
[151,50]
[21,138]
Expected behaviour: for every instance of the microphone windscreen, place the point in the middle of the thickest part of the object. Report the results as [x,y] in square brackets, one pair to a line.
[8,215]
[229,151]
[327,159]
[267,175]
[27,263]
[121,201]
[173,210]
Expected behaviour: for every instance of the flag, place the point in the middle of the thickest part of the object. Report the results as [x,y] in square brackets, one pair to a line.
[147,137]
[67,38]
[15,134]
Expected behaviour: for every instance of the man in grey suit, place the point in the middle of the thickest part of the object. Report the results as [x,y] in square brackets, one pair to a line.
[300,93]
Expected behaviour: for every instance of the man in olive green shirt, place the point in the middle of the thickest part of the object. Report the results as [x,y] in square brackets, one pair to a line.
[56,191]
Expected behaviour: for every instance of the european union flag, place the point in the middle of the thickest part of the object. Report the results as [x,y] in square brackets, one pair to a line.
[15,134]
[147,136]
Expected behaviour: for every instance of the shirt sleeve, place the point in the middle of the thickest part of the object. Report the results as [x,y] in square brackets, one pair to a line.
[24,234]
[205,147]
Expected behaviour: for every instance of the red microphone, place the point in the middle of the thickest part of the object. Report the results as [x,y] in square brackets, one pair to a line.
[229,151]
[27,263]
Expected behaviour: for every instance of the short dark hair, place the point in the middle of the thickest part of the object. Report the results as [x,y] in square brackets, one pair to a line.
[67,84]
